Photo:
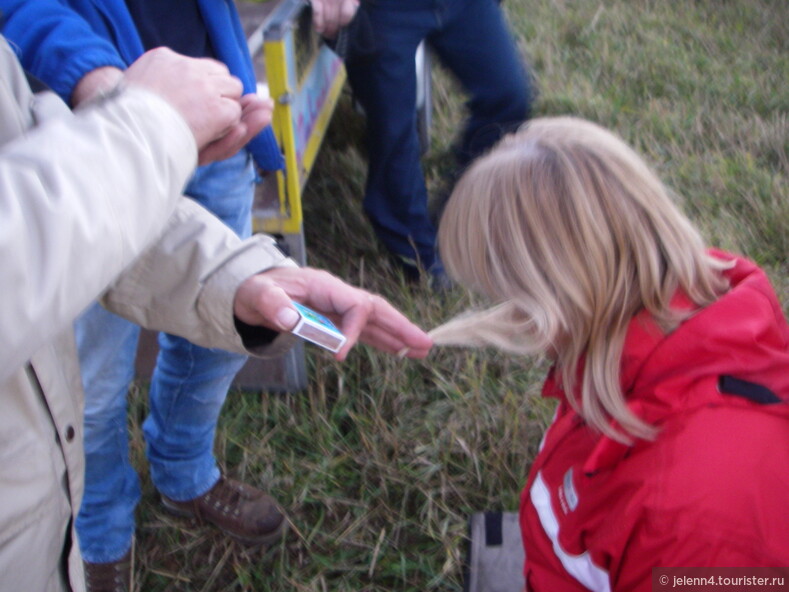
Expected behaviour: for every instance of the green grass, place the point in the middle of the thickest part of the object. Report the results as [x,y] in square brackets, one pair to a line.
[380,461]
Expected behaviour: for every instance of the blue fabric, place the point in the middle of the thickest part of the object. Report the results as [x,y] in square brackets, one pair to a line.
[177,24]
[61,40]
[187,391]
[472,40]
[54,43]
[105,524]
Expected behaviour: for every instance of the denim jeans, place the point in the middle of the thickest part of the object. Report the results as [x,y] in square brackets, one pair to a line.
[471,38]
[187,390]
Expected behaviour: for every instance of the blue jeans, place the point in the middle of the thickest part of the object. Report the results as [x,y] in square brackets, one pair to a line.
[472,40]
[187,390]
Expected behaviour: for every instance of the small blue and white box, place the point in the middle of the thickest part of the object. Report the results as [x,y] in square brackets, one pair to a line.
[317,329]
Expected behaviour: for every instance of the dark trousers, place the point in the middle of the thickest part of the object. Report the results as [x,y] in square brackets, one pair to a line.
[472,40]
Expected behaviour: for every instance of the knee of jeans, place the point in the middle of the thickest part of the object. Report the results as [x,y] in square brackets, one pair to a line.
[504,104]
[105,407]
[195,369]
[105,431]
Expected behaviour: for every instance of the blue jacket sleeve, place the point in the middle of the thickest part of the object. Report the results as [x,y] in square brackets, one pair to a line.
[55,43]
[230,44]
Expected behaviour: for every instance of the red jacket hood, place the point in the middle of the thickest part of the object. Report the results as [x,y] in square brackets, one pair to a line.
[743,334]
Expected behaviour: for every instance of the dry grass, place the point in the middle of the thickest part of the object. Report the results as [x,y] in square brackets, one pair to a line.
[380,461]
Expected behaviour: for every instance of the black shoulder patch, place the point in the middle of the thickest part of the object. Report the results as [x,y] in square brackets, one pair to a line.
[750,390]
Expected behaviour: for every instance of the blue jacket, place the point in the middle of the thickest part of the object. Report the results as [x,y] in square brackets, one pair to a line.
[61,40]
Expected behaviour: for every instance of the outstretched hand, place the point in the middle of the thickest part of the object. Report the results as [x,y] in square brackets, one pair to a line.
[264,299]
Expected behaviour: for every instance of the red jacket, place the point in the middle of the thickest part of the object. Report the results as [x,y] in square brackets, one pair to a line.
[711,490]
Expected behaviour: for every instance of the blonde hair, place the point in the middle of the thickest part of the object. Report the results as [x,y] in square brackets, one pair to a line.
[569,233]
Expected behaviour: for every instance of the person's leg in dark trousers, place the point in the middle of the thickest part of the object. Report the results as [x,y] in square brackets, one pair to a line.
[383,78]
[476,45]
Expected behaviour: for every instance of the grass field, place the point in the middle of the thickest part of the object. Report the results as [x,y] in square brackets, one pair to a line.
[380,461]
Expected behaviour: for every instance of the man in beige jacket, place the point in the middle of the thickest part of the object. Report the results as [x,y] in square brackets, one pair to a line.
[90,204]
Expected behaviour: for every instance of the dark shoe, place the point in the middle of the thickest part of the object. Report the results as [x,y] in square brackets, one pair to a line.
[115,576]
[435,277]
[241,511]
[438,280]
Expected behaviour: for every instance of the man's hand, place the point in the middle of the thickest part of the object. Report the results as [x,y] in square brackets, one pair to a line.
[329,16]
[200,89]
[255,111]
[264,299]
[255,115]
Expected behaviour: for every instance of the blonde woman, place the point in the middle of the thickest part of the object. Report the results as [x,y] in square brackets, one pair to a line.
[670,445]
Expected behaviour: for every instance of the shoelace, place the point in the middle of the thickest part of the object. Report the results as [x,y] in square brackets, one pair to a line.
[225,496]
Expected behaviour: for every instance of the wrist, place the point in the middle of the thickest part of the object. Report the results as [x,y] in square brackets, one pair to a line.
[96,85]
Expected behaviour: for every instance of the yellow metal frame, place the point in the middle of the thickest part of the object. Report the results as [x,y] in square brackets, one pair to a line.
[284,85]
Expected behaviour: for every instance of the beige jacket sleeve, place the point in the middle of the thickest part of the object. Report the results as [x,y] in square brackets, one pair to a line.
[80,198]
[186,282]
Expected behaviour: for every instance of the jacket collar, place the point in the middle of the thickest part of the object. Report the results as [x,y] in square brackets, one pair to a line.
[744,334]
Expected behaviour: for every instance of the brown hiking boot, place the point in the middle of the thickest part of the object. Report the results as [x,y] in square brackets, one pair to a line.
[241,511]
[115,576]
